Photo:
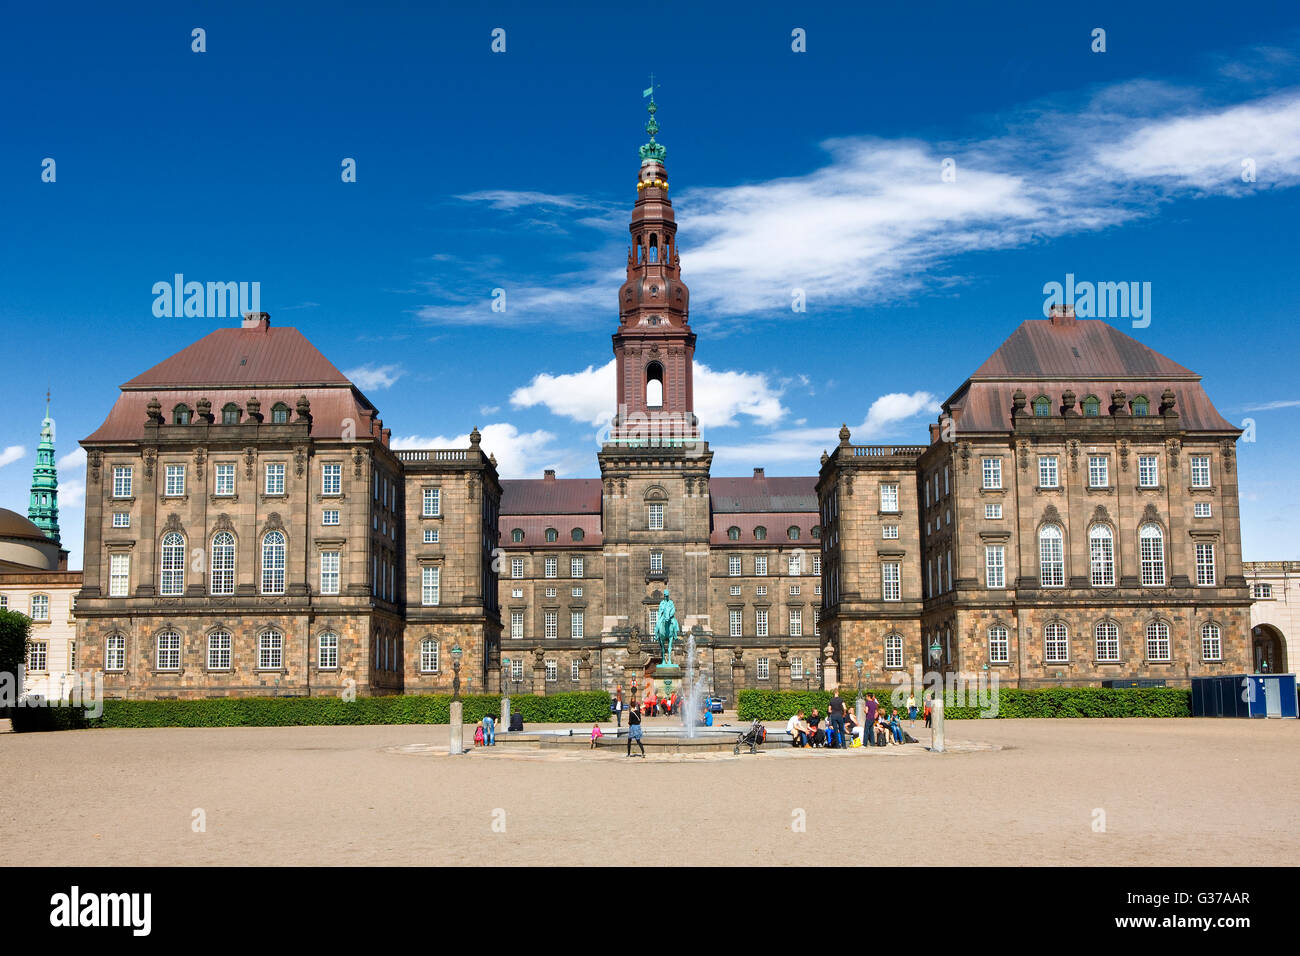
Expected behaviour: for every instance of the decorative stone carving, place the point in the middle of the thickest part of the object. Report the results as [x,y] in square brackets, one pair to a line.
[150,456]
[254,407]
[1051,514]
[304,409]
[848,485]
[1149,513]
[273,523]
[1228,450]
[634,642]
[1018,402]
[738,655]
[844,434]
[300,460]
[200,456]
[1167,403]
[1119,403]
[1069,404]
[1073,446]
[472,486]
[1123,452]
[784,651]
[96,461]
[358,458]
[965,456]
[1100,515]
[155,412]
[223,523]
[1173,446]
[1023,447]
[250,458]
[173,523]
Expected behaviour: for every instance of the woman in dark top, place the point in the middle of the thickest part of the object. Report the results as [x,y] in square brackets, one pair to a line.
[634,729]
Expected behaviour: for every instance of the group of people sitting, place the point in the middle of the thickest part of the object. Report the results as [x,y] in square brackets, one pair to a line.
[656,706]
[881,726]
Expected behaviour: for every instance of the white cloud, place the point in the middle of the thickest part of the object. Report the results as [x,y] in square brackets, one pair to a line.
[588,396]
[1272,406]
[371,377]
[519,454]
[72,494]
[12,454]
[511,199]
[891,408]
[72,460]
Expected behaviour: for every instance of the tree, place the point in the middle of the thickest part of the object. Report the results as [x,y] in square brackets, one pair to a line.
[15,631]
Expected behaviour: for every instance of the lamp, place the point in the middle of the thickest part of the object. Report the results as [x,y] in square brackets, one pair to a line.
[455,667]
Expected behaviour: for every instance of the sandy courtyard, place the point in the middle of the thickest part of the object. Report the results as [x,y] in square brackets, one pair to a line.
[1171,792]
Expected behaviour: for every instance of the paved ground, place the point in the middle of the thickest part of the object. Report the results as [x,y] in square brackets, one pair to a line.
[1024,792]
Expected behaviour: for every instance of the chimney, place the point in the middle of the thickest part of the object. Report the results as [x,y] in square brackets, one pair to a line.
[758,473]
[548,474]
[256,320]
[1062,314]
[934,432]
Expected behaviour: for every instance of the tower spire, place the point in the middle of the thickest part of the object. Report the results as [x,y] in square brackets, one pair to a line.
[44,507]
[652,151]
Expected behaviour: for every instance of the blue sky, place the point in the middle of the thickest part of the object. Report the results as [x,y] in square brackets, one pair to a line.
[818,170]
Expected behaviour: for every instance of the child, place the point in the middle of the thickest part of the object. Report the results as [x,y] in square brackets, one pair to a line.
[478,735]
[595,735]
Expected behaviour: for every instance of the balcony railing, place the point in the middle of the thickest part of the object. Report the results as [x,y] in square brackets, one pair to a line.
[884,451]
[431,454]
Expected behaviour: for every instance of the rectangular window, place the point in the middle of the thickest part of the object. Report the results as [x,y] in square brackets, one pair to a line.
[999,645]
[889,497]
[329,516]
[656,562]
[576,592]
[573,670]
[40,607]
[270,651]
[550,592]
[1148,471]
[796,622]
[1098,471]
[760,623]
[1047,471]
[432,502]
[1264,591]
[516,624]
[122,481]
[733,565]
[992,472]
[575,624]
[794,589]
[995,566]
[1202,509]
[656,517]
[890,531]
[516,567]
[1056,644]
[225,482]
[1051,558]
[552,567]
[993,511]
[275,479]
[733,617]
[891,581]
[795,565]
[735,590]
[1101,556]
[174,484]
[121,519]
[115,653]
[762,668]
[761,590]
[1153,559]
[331,479]
[817,564]
[552,624]
[327,651]
[329,572]
[1107,641]
[1200,471]
[796,668]
[817,622]
[1205,565]
[36,657]
[119,575]
[219,651]
[575,567]
[552,671]
[169,651]
[1211,643]
[430,586]
[760,565]
[517,669]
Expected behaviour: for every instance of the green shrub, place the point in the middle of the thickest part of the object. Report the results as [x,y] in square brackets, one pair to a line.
[1012,702]
[14,631]
[35,719]
[304,711]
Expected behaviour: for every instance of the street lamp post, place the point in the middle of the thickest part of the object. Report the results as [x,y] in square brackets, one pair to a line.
[506,674]
[860,705]
[457,706]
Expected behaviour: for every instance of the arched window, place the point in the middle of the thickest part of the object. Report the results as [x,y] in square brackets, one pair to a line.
[1107,636]
[654,248]
[1141,407]
[222,576]
[893,650]
[327,651]
[733,533]
[1157,641]
[1051,556]
[640,255]
[168,651]
[172,581]
[517,535]
[279,413]
[999,645]
[219,651]
[1152,546]
[273,563]
[792,532]
[654,385]
[816,531]
[577,534]
[1056,643]
[230,414]
[270,650]
[429,655]
[1091,407]
[552,534]
[1042,407]
[181,415]
[760,533]
[1211,643]
[1101,554]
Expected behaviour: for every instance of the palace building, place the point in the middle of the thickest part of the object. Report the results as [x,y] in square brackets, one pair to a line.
[249,530]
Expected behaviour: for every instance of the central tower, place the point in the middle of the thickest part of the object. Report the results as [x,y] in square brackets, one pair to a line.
[654,345]
[654,467]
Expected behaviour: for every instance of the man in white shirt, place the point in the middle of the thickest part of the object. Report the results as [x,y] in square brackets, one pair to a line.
[797,729]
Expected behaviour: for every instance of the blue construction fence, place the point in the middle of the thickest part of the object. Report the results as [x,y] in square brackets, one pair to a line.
[1245,695]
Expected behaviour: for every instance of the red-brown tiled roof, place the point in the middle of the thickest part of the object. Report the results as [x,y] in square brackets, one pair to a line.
[534,529]
[986,406]
[243,357]
[1078,349]
[777,525]
[736,495]
[550,496]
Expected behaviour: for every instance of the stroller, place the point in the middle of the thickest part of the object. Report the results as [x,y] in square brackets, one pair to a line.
[754,736]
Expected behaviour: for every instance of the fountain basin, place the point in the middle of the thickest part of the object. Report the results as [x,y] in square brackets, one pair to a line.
[706,740]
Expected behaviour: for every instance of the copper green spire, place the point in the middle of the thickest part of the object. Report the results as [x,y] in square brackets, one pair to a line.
[44,507]
[652,151]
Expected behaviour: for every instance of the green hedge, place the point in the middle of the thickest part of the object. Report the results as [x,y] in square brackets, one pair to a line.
[303,711]
[1012,703]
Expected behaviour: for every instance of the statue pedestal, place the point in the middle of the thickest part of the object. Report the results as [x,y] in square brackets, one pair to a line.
[668,677]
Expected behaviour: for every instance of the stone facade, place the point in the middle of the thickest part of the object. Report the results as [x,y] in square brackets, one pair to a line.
[1274,615]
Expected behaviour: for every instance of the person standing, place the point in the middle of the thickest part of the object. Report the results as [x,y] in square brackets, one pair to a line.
[618,705]
[836,711]
[911,707]
[634,729]
[489,731]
